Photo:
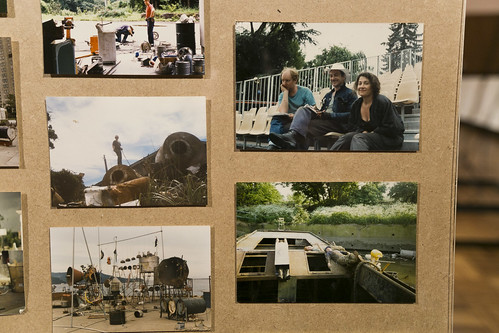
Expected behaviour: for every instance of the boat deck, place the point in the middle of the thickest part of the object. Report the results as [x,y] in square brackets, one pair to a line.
[96,321]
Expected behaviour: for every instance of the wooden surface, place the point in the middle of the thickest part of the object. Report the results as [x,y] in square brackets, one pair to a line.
[476,293]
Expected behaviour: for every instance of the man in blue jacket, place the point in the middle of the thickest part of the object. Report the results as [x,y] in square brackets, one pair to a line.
[312,122]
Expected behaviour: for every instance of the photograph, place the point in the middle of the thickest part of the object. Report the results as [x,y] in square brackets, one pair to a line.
[131,279]
[340,242]
[109,38]
[9,148]
[328,86]
[12,300]
[127,151]
[3,8]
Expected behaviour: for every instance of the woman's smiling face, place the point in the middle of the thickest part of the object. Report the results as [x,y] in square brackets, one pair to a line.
[364,86]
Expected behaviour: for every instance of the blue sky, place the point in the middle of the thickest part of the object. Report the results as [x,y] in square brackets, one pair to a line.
[192,243]
[86,127]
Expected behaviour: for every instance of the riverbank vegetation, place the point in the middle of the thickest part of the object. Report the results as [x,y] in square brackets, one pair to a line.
[117,10]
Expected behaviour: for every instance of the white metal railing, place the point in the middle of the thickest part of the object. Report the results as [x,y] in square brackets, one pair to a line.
[265,90]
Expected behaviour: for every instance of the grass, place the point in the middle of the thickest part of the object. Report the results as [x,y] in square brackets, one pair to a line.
[120,14]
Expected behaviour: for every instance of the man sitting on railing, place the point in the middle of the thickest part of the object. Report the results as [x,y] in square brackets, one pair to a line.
[312,122]
[291,98]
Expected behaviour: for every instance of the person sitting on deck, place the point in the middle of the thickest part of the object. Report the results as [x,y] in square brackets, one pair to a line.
[292,97]
[312,122]
[375,122]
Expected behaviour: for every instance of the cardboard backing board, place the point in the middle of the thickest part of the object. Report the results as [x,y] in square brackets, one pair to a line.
[433,167]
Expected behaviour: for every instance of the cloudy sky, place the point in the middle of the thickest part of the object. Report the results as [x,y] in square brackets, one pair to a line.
[10,202]
[366,37]
[190,242]
[86,127]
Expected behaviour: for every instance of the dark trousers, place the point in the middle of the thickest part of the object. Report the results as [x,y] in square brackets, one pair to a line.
[366,141]
[307,123]
[150,27]
[118,153]
[120,33]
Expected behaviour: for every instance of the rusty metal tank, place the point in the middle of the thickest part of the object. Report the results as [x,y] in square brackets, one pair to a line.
[182,149]
[148,263]
[173,272]
[119,174]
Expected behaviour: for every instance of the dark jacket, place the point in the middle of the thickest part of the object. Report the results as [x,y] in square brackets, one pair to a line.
[342,103]
[384,118]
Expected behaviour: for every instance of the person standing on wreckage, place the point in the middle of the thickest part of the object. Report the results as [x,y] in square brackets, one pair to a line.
[150,21]
[117,149]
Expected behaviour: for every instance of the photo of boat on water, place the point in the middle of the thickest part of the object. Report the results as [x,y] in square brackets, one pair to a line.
[131,279]
[341,242]
[12,298]
[127,151]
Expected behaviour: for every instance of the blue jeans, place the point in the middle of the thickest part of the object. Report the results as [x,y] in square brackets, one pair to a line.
[150,27]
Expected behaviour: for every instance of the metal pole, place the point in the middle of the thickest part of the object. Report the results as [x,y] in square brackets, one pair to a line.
[162,244]
[72,279]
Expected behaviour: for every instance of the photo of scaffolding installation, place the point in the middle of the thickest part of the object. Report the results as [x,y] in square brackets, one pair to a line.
[12,299]
[131,279]
[299,86]
[123,38]
[127,151]
[9,149]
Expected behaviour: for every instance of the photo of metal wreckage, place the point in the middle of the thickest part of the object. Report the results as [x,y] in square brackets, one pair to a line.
[143,293]
[301,267]
[174,175]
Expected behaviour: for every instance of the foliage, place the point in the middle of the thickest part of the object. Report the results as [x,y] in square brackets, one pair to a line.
[300,216]
[398,213]
[251,194]
[404,192]
[10,106]
[403,36]
[52,135]
[333,55]
[325,194]
[185,191]
[270,48]
[265,213]
[68,185]
[11,238]
[369,194]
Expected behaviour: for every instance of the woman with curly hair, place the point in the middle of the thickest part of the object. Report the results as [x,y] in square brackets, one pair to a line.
[374,121]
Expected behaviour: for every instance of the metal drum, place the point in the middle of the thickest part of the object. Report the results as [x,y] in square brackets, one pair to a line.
[148,264]
[173,272]
[183,67]
[189,306]
[198,64]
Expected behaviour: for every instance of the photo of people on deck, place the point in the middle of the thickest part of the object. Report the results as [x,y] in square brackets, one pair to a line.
[326,242]
[131,279]
[127,151]
[12,296]
[123,38]
[9,140]
[328,86]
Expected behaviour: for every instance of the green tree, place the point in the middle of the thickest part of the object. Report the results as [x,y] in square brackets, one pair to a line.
[404,192]
[52,135]
[403,36]
[369,194]
[11,238]
[11,106]
[251,194]
[270,48]
[68,185]
[333,55]
[325,194]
